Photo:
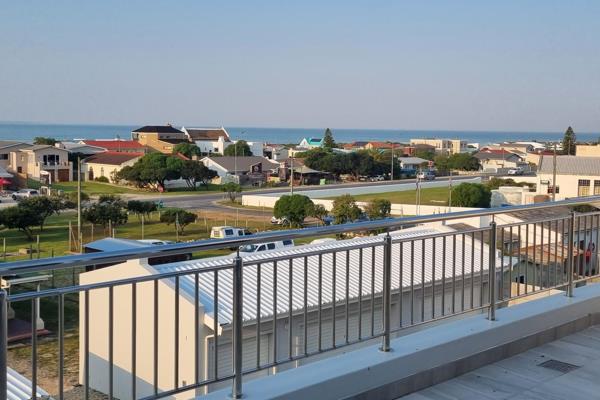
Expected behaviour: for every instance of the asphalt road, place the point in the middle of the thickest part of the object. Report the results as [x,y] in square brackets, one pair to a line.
[208,201]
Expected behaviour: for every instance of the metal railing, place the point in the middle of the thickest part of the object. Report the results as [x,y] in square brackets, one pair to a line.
[268,311]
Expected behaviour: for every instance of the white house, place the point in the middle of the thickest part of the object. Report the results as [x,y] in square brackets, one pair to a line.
[216,140]
[253,168]
[575,176]
[411,162]
[414,296]
[310,142]
[107,164]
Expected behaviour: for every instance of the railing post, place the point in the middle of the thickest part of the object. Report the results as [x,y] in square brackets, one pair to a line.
[492,272]
[387,296]
[3,343]
[236,390]
[570,253]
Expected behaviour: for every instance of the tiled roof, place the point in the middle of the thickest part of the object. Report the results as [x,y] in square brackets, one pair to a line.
[116,144]
[157,129]
[571,165]
[8,143]
[493,155]
[112,157]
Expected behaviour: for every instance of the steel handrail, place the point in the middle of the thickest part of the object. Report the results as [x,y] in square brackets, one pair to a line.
[87,259]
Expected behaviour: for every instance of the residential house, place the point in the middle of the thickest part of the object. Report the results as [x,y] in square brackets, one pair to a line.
[242,169]
[210,343]
[6,147]
[383,146]
[575,176]
[107,164]
[122,146]
[208,140]
[162,138]
[443,146]
[43,163]
[360,145]
[500,160]
[275,152]
[411,163]
[80,148]
[519,148]
[310,143]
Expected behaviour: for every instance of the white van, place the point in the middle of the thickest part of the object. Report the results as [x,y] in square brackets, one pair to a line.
[222,232]
[256,248]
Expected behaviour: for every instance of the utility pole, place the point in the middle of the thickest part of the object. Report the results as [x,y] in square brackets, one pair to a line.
[554,174]
[450,192]
[392,166]
[292,175]
[79,234]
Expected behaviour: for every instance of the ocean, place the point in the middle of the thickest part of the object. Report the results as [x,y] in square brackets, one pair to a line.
[28,131]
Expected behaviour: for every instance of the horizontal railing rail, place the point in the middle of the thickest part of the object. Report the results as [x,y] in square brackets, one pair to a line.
[86,259]
[296,304]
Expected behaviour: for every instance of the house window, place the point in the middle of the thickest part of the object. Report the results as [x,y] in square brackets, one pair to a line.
[550,189]
[596,187]
[3,156]
[583,188]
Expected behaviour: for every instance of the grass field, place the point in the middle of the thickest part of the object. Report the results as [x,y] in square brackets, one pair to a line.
[97,188]
[437,196]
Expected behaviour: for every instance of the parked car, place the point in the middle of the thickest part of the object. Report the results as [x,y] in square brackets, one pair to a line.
[426,176]
[222,232]
[279,221]
[256,248]
[515,171]
[25,194]
[377,178]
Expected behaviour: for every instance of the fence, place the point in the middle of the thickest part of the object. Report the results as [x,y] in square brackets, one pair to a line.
[141,335]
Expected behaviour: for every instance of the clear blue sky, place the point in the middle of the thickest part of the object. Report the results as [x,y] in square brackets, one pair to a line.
[472,65]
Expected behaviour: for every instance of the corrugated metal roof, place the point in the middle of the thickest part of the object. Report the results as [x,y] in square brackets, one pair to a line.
[571,165]
[19,387]
[342,247]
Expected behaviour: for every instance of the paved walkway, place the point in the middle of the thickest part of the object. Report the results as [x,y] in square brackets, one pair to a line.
[523,378]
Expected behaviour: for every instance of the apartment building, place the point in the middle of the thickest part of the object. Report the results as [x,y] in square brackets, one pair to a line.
[444,146]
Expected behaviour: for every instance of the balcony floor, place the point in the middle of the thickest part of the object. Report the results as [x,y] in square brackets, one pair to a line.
[521,378]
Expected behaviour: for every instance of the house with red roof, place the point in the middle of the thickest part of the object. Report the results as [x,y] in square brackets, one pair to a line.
[120,146]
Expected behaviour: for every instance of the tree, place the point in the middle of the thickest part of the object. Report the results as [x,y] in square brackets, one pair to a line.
[328,141]
[425,154]
[239,148]
[471,195]
[44,140]
[152,170]
[378,209]
[232,189]
[179,217]
[463,162]
[20,218]
[45,206]
[569,141]
[195,172]
[295,208]
[108,209]
[345,209]
[139,207]
[187,149]
[320,212]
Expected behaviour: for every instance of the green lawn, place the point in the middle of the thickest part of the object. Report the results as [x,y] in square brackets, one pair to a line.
[97,188]
[437,196]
